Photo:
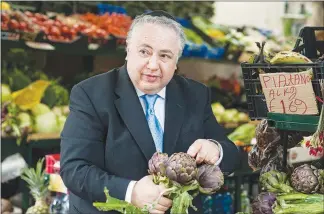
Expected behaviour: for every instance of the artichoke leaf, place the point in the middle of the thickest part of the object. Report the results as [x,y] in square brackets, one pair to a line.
[181,203]
[114,204]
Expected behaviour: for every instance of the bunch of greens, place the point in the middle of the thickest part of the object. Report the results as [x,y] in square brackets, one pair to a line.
[289,203]
[276,182]
[181,176]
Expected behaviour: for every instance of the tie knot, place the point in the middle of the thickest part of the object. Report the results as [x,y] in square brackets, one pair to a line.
[150,100]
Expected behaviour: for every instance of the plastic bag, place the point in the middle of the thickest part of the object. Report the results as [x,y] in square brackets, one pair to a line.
[12,167]
[266,136]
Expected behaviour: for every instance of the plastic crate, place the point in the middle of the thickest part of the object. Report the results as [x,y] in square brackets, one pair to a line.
[309,42]
[291,122]
[257,106]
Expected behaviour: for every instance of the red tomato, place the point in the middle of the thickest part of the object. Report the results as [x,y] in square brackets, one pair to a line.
[29,14]
[23,26]
[13,24]
[55,31]
[4,17]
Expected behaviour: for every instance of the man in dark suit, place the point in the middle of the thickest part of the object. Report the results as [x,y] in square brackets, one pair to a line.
[120,118]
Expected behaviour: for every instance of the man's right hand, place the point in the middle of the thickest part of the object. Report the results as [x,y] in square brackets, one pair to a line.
[146,192]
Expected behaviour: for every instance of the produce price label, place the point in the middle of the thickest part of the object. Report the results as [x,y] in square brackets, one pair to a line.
[289,93]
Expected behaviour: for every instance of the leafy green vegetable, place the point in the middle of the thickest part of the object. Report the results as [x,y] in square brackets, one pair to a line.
[114,204]
[314,208]
[56,95]
[182,202]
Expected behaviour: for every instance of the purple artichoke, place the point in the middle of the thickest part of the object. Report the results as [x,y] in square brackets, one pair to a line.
[263,203]
[157,163]
[181,168]
[305,179]
[210,178]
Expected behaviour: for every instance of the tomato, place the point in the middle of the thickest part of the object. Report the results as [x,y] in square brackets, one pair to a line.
[55,31]
[29,14]
[4,26]
[57,23]
[4,17]
[49,22]
[65,30]
[13,24]
[23,26]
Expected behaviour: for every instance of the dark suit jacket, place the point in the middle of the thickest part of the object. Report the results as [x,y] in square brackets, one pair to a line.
[106,141]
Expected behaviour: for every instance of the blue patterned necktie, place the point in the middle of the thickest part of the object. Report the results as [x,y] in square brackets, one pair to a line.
[153,123]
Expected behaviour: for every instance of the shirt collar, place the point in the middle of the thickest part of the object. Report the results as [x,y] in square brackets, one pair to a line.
[160,93]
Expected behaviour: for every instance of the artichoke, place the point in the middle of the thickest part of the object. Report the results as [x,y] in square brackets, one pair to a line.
[263,203]
[181,168]
[320,175]
[304,179]
[210,178]
[157,163]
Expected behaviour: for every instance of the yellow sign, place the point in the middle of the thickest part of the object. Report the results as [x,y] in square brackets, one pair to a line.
[31,95]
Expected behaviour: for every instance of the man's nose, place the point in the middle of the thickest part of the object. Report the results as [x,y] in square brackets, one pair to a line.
[153,63]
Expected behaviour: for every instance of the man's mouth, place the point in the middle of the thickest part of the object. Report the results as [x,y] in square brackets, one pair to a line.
[150,77]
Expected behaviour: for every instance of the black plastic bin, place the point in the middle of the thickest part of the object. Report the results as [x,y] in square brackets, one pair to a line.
[257,105]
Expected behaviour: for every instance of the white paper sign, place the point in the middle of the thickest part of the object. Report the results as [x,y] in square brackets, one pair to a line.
[289,93]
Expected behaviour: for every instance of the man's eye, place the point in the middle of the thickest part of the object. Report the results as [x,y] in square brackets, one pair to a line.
[144,52]
[165,56]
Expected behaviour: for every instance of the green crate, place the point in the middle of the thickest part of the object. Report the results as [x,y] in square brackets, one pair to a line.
[292,122]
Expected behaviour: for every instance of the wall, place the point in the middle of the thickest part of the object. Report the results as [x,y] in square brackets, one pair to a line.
[263,14]
[259,14]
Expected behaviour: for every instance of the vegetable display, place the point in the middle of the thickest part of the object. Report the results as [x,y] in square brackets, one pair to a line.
[181,176]
[285,194]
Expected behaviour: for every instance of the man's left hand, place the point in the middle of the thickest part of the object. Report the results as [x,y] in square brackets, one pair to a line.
[204,151]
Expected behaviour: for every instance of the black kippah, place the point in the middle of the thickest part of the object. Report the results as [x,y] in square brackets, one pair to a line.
[160,13]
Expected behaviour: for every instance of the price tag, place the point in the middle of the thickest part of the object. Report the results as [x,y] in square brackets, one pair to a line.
[93,46]
[10,36]
[289,93]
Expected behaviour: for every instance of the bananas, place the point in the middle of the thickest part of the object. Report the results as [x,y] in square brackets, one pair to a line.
[282,57]
[289,57]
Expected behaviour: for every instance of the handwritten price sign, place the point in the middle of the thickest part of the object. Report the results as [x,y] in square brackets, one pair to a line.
[289,93]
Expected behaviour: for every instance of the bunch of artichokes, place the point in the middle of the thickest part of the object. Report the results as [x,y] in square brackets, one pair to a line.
[181,176]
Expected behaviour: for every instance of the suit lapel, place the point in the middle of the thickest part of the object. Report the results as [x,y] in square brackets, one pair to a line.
[131,111]
[174,113]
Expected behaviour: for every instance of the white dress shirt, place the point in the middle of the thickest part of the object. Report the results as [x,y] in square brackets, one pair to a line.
[159,109]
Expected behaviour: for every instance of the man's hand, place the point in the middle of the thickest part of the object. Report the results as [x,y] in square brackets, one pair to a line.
[204,151]
[146,192]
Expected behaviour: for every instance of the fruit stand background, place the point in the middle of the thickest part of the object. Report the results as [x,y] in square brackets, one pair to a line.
[216,44]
